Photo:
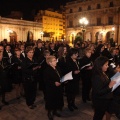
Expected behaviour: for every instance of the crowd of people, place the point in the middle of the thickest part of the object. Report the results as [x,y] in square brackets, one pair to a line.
[41,65]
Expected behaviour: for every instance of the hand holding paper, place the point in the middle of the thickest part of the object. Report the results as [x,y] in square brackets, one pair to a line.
[116,78]
[67,77]
[112,83]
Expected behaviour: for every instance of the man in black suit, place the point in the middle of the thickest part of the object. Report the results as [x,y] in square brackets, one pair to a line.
[22,55]
[8,53]
[38,54]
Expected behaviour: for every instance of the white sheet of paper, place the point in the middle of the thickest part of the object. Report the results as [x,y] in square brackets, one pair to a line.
[66,77]
[86,66]
[116,78]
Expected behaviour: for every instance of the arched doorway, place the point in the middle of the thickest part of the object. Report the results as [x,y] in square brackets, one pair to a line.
[79,34]
[78,38]
[29,36]
[109,35]
[13,36]
[99,36]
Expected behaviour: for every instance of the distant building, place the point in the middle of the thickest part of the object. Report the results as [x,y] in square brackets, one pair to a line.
[103,17]
[53,24]
[18,29]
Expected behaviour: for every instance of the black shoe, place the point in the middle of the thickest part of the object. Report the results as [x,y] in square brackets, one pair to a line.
[50,115]
[118,116]
[0,107]
[31,107]
[5,103]
[18,97]
[88,99]
[70,108]
[75,107]
[56,113]
[84,101]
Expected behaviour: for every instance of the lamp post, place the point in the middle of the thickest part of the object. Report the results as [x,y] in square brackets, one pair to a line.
[42,33]
[83,21]
[113,30]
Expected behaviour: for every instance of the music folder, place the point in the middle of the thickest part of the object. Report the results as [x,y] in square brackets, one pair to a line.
[10,66]
[33,65]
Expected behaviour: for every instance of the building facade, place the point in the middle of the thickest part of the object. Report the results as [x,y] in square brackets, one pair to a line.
[18,29]
[53,24]
[103,17]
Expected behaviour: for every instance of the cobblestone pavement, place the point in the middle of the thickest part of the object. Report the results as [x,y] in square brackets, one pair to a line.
[17,110]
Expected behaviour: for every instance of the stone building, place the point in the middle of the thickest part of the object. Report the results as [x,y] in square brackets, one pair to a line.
[19,30]
[103,20]
[53,23]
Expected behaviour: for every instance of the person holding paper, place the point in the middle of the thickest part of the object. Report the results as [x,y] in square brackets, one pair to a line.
[17,72]
[102,96]
[72,86]
[29,72]
[54,91]
[44,65]
[38,54]
[86,65]
[3,77]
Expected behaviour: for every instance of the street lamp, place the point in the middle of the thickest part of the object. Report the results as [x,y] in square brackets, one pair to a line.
[42,33]
[83,21]
[113,30]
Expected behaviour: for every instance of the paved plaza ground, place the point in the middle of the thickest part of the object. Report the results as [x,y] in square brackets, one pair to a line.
[17,110]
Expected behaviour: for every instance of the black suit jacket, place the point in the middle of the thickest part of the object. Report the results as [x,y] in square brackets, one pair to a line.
[38,54]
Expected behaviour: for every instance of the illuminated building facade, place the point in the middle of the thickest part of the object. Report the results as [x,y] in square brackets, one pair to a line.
[53,23]
[18,29]
[103,17]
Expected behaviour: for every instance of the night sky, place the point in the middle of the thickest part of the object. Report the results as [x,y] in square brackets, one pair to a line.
[28,7]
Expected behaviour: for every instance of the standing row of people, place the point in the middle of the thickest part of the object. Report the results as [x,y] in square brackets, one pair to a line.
[38,66]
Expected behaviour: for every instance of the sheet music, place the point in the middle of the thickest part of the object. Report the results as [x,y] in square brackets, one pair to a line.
[85,66]
[66,77]
[116,78]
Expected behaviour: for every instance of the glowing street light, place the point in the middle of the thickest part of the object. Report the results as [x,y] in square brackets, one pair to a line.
[84,22]
[113,30]
[41,33]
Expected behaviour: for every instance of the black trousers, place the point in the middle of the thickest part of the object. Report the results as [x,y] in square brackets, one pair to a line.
[30,89]
[102,106]
[86,87]
[70,99]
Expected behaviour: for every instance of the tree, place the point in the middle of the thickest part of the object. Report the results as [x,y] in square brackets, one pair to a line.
[78,39]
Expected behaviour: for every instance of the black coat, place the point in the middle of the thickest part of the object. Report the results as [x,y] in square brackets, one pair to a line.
[4,75]
[5,55]
[72,86]
[38,54]
[17,73]
[22,57]
[54,95]
[85,73]
[101,93]
[27,71]
[62,64]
